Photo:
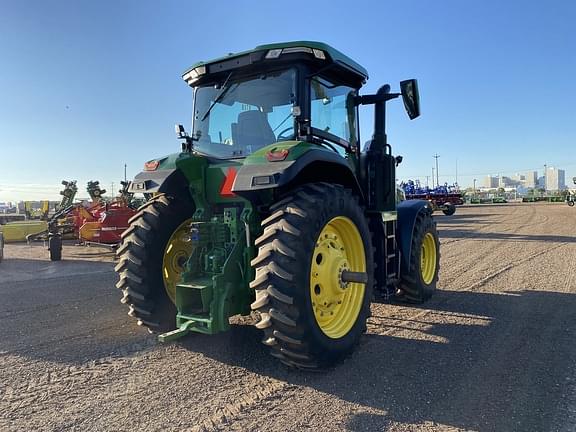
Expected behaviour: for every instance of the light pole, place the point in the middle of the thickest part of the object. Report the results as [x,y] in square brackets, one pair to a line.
[436,156]
[456,171]
[432,177]
[474,188]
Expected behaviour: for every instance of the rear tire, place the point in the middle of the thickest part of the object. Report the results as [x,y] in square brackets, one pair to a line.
[449,209]
[141,259]
[55,247]
[571,203]
[300,330]
[419,283]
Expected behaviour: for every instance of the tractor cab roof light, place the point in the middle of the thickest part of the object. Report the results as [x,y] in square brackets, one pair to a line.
[319,54]
[277,52]
[273,54]
[194,74]
[297,50]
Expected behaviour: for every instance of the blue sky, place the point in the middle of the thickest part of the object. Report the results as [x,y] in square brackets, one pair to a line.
[87,86]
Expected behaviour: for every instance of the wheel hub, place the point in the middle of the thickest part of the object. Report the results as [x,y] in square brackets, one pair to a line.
[178,250]
[428,258]
[336,302]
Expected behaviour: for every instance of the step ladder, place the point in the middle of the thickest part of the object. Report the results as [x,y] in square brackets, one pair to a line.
[392,259]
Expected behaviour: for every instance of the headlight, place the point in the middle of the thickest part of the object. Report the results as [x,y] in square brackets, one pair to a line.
[194,74]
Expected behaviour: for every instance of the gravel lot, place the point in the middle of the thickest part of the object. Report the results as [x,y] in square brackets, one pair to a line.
[494,350]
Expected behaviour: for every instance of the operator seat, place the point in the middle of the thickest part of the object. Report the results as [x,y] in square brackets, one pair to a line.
[252,131]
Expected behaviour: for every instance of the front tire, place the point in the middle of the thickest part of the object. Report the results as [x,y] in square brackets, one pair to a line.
[419,283]
[311,318]
[571,203]
[151,260]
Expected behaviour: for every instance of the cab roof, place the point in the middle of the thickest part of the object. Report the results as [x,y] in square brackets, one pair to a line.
[244,58]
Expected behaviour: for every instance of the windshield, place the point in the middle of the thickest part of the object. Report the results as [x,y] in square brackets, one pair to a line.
[240,116]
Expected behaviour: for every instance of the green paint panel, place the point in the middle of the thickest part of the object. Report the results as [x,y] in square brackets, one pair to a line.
[295,150]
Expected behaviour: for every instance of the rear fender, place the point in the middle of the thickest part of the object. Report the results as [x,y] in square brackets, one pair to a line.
[160,181]
[314,165]
[408,211]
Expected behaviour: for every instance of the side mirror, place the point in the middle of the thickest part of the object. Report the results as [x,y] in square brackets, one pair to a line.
[410,97]
[180,131]
[398,160]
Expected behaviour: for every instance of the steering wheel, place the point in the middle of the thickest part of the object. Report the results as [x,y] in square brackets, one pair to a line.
[280,136]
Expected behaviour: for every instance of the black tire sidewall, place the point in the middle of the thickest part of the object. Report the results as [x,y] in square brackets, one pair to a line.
[55,248]
[449,209]
[320,341]
[163,215]
[420,233]
[169,220]
[168,224]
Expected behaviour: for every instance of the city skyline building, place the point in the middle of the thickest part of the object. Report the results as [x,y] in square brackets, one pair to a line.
[552,179]
[555,179]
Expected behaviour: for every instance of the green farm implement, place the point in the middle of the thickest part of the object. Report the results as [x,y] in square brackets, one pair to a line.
[272,209]
[570,197]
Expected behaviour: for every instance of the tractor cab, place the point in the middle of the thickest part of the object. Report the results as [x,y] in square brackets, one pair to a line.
[294,91]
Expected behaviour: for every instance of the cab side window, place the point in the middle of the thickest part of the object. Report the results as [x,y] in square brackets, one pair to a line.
[332,109]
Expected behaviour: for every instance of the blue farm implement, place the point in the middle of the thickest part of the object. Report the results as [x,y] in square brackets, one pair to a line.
[444,198]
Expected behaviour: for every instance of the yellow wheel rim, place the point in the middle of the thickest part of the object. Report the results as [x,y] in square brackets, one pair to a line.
[428,258]
[178,250]
[336,305]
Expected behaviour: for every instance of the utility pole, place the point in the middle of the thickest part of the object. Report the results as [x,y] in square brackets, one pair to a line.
[124,172]
[456,171]
[432,177]
[436,156]
[545,177]
[474,187]
[112,189]
[427,177]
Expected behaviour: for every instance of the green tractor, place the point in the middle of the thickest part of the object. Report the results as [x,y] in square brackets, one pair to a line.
[272,209]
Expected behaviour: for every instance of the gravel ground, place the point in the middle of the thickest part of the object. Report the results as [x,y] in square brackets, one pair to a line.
[492,351]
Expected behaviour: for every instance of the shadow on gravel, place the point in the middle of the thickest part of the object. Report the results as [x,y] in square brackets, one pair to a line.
[476,235]
[492,362]
[67,312]
[463,220]
[463,217]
